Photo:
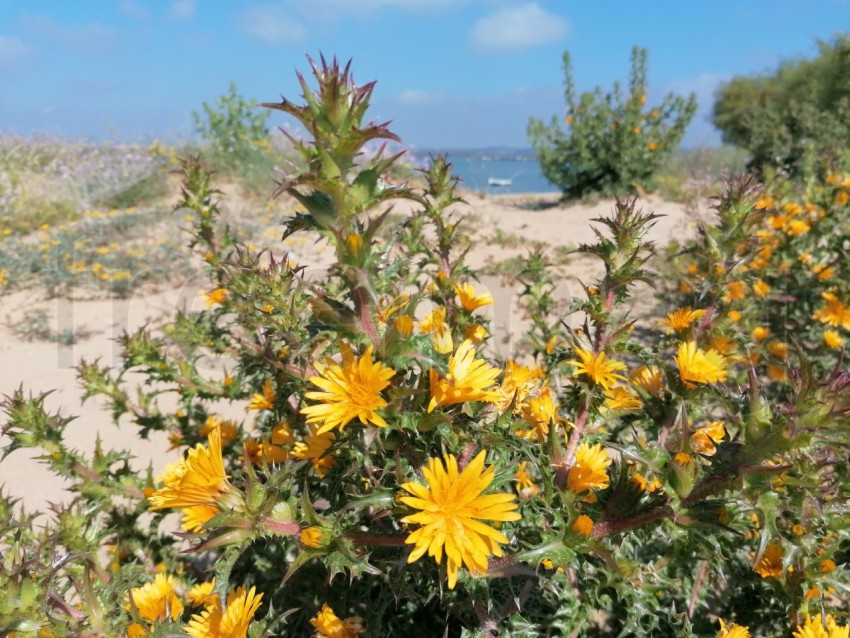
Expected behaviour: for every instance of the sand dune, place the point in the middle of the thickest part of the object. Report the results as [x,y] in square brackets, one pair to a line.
[49,367]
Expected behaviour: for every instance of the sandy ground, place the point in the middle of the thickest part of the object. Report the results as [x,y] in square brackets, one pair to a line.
[39,366]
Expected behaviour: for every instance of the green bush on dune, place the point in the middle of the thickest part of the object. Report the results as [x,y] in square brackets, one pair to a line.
[614,144]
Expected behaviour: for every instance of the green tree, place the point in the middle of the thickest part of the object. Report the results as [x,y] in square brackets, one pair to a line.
[797,114]
[613,144]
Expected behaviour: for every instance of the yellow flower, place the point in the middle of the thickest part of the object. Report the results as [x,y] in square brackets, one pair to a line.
[600,370]
[703,440]
[827,565]
[723,345]
[328,625]
[761,288]
[696,366]
[583,525]
[467,380]
[452,508]
[735,290]
[590,469]
[154,600]
[268,453]
[644,485]
[404,325]
[434,321]
[228,429]
[760,333]
[797,227]
[469,301]
[442,341]
[834,313]
[683,459]
[621,399]
[733,631]
[814,627]
[315,448]
[770,564]
[197,484]
[202,594]
[522,477]
[351,390]
[832,339]
[734,316]
[217,296]
[541,411]
[649,379]
[778,349]
[476,333]
[135,630]
[823,272]
[263,400]
[681,319]
[230,622]
[776,373]
[518,381]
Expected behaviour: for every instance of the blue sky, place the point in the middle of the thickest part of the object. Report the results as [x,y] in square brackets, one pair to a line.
[451,73]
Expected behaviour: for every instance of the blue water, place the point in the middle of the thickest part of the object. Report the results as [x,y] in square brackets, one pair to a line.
[525,175]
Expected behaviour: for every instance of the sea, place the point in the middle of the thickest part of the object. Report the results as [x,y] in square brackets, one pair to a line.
[475,169]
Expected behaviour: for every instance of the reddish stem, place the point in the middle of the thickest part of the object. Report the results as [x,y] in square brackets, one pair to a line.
[383,540]
[608,528]
[363,313]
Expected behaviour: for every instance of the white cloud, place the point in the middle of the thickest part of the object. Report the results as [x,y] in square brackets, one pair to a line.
[417,97]
[271,26]
[12,50]
[91,38]
[359,5]
[183,10]
[516,28]
[134,10]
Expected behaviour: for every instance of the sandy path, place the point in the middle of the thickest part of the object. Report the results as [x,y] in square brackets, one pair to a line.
[43,366]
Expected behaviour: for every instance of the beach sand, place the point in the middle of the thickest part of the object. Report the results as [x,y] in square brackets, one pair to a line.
[503,227]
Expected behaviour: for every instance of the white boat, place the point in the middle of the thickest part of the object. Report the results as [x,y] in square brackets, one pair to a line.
[498,181]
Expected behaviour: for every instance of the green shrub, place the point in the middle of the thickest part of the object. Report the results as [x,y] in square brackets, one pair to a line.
[798,114]
[233,126]
[614,144]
